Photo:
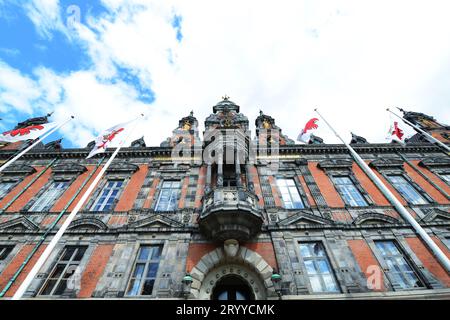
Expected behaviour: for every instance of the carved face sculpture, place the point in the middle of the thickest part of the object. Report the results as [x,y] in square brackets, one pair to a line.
[231,247]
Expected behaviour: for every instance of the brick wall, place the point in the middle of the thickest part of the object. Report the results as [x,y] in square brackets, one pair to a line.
[429,189]
[428,260]
[265,250]
[184,190]
[369,186]
[68,194]
[14,265]
[200,187]
[31,191]
[327,189]
[365,258]
[131,191]
[94,269]
[148,202]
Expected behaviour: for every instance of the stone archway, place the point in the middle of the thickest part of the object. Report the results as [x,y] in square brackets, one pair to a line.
[247,264]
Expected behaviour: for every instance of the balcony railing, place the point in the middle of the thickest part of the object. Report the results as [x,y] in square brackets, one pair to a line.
[230,213]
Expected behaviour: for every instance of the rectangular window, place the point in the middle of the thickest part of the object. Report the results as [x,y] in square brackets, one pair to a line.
[107,196]
[66,266]
[445,177]
[318,267]
[400,271]
[144,273]
[5,187]
[446,242]
[5,251]
[168,197]
[406,190]
[49,197]
[349,192]
[289,194]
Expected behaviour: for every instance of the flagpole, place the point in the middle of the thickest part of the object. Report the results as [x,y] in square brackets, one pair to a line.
[48,250]
[445,262]
[421,131]
[10,162]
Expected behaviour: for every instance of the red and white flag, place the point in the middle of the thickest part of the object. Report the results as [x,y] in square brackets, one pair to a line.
[27,133]
[310,127]
[396,133]
[107,136]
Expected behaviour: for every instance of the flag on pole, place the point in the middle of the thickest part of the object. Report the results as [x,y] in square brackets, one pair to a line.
[396,133]
[30,132]
[105,139]
[310,127]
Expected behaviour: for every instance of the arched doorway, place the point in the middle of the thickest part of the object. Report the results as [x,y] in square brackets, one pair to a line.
[232,287]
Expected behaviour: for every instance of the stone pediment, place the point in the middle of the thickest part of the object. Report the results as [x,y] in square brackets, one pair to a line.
[304,218]
[383,163]
[374,218]
[122,167]
[335,164]
[19,169]
[68,168]
[21,223]
[433,162]
[88,223]
[437,215]
[155,221]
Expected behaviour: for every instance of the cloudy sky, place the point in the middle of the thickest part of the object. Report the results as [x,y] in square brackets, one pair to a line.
[107,61]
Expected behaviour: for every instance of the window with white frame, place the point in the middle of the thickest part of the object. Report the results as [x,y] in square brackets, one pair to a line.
[5,187]
[5,251]
[318,268]
[289,194]
[64,269]
[49,197]
[109,193]
[348,191]
[406,189]
[400,271]
[144,271]
[168,197]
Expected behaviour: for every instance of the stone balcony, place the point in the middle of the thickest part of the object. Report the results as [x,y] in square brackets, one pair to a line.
[230,213]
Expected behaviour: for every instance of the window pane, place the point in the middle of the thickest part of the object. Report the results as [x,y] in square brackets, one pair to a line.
[5,187]
[400,271]
[406,190]
[152,269]
[148,287]
[168,197]
[289,194]
[107,196]
[49,197]
[48,287]
[349,192]
[133,288]
[315,284]
[318,267]
[139,271]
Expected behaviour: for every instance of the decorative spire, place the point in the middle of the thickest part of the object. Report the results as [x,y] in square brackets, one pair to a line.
[191,113]
[226,98]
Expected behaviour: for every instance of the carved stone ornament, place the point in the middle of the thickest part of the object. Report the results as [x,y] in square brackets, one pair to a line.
[231,247]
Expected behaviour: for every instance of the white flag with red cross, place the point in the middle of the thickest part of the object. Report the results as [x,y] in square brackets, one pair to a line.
[396,132]
[27,133]
[107,136]
[310,127]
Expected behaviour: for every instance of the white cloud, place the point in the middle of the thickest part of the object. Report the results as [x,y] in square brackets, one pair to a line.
[45,15]
[352,59]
